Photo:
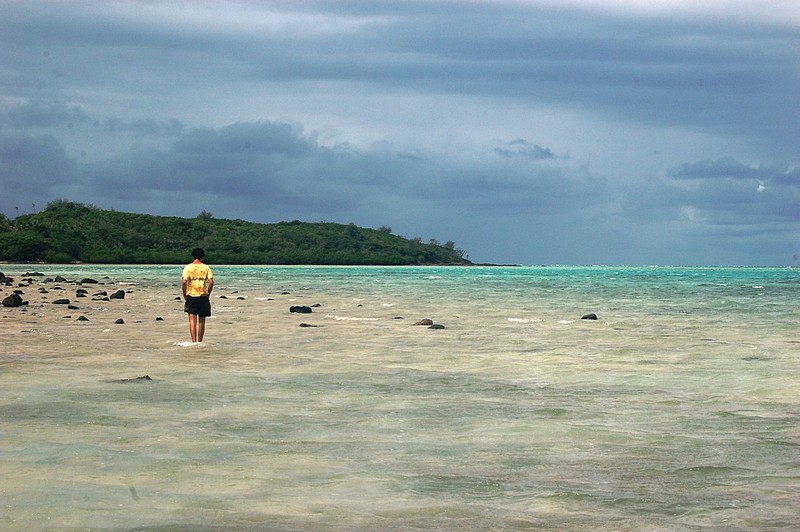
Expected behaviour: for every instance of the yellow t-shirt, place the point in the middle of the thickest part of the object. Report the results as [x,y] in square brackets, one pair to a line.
[197,276]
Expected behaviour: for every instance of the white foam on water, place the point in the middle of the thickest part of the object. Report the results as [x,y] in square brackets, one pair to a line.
[524,320]
[348,318]
[188,344]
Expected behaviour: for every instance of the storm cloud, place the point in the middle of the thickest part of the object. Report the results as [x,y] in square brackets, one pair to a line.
[528,132]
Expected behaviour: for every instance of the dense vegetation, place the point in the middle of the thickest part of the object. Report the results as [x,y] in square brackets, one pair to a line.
[67,231]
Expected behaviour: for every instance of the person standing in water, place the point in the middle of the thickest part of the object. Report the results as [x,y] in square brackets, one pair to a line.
[198,282]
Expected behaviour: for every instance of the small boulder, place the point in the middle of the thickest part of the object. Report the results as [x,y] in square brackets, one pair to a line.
[436,326]
[14,300]
[426,321]
[89,281]
[591,316]
[82,318]
[61,302]
[119,321]
[300,309]
[119,294]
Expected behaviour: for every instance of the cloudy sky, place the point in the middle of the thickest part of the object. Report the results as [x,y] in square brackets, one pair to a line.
[532,132]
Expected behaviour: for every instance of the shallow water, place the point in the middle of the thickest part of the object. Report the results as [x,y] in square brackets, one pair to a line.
[679,408]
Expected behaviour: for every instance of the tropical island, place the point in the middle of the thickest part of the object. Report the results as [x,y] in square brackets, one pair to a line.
[67,231]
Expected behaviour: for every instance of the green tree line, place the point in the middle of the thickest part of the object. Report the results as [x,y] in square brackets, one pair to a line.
[67,231]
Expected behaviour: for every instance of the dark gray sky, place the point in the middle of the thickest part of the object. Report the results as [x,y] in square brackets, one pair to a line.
[533,132]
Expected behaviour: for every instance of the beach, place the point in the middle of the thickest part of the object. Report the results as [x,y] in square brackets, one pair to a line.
[677,408]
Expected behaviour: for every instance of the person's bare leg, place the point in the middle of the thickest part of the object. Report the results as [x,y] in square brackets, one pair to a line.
[201,328]
[193,327]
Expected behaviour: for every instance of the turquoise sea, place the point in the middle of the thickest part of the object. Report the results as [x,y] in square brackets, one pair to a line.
[677,409]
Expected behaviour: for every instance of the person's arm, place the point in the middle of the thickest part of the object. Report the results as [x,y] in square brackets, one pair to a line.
[184,285]
[210,285]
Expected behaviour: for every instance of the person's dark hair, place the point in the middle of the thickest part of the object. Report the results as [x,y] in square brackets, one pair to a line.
[198,253]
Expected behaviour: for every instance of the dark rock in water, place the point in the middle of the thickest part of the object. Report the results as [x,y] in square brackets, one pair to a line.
[60,279]
[89,281]
[73,307]
[308,325]
[436,326]
[14,300]
[34,274]
[120,321]
[591,316]
[82,318]
[316,305]
[61,302]
[159,318]
[143,378]
[285,293]
[223,297]
[119,294]
[398,318]
[240,298]
[178,298]
[426,321]
[300,309]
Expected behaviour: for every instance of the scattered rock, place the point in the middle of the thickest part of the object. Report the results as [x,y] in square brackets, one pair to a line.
[119,294]
[223,297]
[73,307]
[300,309]
[308,325]
[100,293]
[14,300]
[89,281]
[159,318]
[426,321]
[436,326]
[60,279]
[120,321]
[143,378]
[61,301]
[82,318]
[591,316]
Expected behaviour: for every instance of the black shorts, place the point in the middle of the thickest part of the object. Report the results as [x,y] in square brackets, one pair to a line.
[198,305]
